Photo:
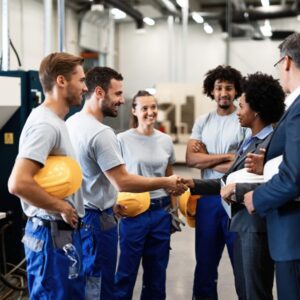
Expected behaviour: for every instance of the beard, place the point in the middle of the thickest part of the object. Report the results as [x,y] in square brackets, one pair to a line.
[107,109]
[224,106]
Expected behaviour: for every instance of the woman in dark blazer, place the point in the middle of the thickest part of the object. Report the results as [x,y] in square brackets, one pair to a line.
[260,106]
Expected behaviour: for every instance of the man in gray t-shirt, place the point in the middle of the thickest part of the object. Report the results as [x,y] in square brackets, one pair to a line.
[52,222]
[104,174]
[211,148]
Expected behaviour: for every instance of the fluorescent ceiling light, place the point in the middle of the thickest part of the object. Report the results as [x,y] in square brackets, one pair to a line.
[118,14]
[97,7]
[197,17]
[169,5]
[149,21]
[265,3]
[207,28]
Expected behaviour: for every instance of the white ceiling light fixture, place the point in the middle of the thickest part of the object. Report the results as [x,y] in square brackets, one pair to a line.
[169,5]
[207,28]
[265,3]
[97,7]
[118,14]
[266,29]
[197,17]
[149,21]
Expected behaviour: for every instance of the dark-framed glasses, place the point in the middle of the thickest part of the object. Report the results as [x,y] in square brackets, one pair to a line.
[279,61]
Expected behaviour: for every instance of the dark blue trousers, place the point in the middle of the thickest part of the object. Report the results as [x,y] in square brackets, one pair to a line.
[48,267]
[146,237]
[212,235]
[288,280]
[253,266]
[99,251]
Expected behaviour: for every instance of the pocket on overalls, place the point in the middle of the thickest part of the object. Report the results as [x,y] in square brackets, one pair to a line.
[34,254]
[60,238]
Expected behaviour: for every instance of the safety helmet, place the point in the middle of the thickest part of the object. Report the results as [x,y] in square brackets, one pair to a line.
[243,176]
[136,203]
[187,206]
[272,167]
[61,176]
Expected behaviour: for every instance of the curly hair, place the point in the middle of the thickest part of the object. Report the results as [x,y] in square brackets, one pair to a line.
[265,96]
[223,73]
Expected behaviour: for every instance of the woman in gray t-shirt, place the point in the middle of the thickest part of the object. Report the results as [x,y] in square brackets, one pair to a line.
[147,152]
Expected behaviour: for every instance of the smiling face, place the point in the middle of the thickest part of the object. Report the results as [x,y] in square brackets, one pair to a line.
[145,110]
[246,115]
[224,94]
[113,99]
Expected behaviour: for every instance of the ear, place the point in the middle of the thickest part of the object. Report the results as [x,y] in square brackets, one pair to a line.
[99,92]
[61,80]
[133,111]
[287,63]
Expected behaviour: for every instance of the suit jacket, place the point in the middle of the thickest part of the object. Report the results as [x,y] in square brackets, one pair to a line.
[275,198]
[241,220]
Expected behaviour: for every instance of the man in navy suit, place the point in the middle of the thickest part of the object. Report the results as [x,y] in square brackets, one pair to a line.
[277,199]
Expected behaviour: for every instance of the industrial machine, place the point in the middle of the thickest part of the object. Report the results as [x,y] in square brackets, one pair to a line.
[20,92]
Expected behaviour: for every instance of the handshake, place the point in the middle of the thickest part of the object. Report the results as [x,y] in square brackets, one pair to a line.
[177,185]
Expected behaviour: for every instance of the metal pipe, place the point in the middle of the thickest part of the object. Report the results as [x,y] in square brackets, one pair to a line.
[171,48]
[5,36]
[185,20]
[229,30]
[61,24]
[47,27]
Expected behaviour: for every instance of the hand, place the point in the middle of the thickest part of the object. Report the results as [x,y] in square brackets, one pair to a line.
[189,182]
[248,201]
[69,214]
[254,163]
[198,146]
[176,186]
[227,191]
[120,210]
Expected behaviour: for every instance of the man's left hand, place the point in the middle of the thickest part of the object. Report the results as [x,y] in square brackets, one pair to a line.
[248,201]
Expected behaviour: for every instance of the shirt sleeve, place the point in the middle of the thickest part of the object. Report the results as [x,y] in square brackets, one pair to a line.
[37,142]
[106,150]
[198,128]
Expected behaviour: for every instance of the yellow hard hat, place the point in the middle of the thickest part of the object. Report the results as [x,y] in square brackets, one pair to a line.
[61,176]
[187,206]
[136,203]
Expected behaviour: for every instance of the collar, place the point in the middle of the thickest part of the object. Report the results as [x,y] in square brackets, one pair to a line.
[292,97]
[264,132]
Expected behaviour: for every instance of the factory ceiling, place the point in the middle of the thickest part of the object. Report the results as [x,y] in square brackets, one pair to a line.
[242,12]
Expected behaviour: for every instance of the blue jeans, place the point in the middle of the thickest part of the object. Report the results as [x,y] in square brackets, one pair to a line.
[48,267]
[212,235]
[99,250]
[146,237]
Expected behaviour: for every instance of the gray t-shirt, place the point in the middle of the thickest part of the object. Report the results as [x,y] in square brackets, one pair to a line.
[45,134]
[148,156]
[97,151]
[220,134]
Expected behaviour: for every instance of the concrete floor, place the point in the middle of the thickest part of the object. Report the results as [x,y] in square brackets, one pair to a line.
[181,266]
[182,263]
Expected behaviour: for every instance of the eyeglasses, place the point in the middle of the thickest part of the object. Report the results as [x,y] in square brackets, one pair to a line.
[280,60]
